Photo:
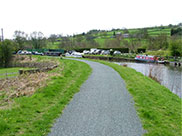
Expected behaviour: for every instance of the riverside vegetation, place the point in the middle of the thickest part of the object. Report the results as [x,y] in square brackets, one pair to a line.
[35,114]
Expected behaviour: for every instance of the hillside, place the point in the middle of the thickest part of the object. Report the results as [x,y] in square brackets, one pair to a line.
[165,38]
[117,38]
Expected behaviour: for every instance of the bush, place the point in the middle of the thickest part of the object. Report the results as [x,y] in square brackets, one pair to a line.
[176,47]
[5,53]
[141,50]
[177,31]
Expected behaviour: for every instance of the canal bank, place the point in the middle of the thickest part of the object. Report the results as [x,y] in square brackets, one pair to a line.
[119,59]
[176,64]
[167,75]
[158,108]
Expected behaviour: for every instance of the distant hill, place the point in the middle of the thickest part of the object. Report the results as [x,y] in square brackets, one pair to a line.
[151,38]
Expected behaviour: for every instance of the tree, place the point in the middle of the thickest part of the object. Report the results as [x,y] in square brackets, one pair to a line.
[78,41]
[112,43]
[180,24]
[158,42]
[20,38]
[38,40]
[170,25]
[66,43]
[176,47]
[175,32]
[5,53]
[89,37]
[125,31]
[134,44]
[125,43]
[104,33]
[114,33]
[53,38]
[142,33]
[163,41]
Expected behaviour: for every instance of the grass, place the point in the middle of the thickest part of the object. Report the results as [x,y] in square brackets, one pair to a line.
[159,53]
[158,108]
[34,115]
[11,71]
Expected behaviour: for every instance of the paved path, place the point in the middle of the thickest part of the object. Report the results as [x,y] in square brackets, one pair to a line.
[103,107]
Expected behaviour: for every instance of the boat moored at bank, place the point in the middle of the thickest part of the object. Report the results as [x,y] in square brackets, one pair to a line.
[149,58]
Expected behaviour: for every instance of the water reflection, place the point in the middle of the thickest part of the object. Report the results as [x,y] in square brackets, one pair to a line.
[169,76]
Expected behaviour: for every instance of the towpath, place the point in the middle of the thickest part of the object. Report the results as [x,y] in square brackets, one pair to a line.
[103,107]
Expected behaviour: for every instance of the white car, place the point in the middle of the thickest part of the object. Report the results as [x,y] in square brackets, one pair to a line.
[117,53]
[86,52]
[24,52]
[38,53]
[93,50]
[76,54]
[98,51]
[67,55]
[105,52]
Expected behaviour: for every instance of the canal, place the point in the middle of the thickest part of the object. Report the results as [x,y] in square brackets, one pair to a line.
[169,76]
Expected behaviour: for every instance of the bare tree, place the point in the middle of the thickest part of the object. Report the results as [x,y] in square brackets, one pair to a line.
[20,39]
[53,38]
[38,40]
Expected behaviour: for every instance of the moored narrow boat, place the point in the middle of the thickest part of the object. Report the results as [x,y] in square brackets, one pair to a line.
[149,58]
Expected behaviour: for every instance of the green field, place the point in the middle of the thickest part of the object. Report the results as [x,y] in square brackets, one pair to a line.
[101,37]
[34,115]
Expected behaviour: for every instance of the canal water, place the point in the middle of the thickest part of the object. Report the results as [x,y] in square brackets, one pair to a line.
[169,76]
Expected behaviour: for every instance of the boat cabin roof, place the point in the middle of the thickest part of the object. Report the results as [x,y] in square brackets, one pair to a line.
[145,56]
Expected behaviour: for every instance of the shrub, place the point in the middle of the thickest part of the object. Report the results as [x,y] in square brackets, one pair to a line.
[5,53]
[176,47]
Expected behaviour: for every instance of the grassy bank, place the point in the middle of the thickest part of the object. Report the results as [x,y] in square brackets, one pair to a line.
[9,72]
[35,114]
[158,108]
[163,53]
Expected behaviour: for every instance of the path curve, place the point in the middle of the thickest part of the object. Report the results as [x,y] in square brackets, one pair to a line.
[103,107]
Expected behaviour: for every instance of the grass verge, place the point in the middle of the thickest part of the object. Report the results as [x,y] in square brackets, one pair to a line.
[34,115]
[158,108]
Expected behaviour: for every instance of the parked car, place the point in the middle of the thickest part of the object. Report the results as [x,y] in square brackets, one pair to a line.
[86,52]
[73,54]
[76,54]
[37,53]
[71,51]
[117,53]
[19,52]
[105,52]
[98,51]
[67,54]
[53,53]
[93,50]
[24,52]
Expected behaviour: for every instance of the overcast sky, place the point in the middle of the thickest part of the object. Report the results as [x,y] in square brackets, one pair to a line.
[77,16]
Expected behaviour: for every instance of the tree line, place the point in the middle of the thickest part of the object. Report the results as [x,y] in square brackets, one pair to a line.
[139,39]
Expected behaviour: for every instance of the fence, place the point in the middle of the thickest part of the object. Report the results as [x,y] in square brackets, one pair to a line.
[28,71]
[8,75]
